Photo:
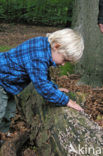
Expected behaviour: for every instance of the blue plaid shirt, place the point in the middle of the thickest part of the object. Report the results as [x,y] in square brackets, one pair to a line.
[28,62]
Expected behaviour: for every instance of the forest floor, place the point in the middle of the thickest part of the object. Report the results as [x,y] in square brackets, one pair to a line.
[12,35]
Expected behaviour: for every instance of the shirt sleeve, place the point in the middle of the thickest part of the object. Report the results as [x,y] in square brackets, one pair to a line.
[54,85]
[38,73]
[100,15]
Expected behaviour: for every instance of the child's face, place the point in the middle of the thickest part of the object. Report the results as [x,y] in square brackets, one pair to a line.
[59,58]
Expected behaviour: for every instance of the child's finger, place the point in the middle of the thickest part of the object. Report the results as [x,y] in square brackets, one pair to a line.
[64,90]
[78,108]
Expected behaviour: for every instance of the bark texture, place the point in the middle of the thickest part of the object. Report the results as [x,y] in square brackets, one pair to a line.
[59,131]
[85,16]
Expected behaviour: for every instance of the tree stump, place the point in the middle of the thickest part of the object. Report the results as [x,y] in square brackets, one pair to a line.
[59,131]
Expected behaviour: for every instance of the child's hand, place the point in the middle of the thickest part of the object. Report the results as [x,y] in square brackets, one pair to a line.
[74,105]
[64,90]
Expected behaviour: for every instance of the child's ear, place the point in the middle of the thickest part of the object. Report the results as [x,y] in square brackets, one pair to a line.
[56,46]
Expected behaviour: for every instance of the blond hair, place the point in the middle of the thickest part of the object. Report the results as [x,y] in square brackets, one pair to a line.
[71,43]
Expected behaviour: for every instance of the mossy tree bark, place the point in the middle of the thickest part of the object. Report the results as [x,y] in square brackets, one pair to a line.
[59,131]
[85,16]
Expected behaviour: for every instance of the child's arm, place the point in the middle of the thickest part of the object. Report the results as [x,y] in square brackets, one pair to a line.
[38,71]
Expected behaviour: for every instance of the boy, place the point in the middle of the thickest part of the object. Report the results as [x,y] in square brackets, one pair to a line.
[30,62]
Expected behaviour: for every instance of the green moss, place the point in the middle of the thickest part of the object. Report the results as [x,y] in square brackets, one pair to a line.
[67,68]
[72,96]
[4,48]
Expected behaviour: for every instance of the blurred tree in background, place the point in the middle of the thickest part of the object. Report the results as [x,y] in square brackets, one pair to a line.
[90,67]
[38,12]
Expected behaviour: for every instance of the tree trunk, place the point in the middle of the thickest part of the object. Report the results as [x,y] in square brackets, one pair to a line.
[85,16]
[59,131]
